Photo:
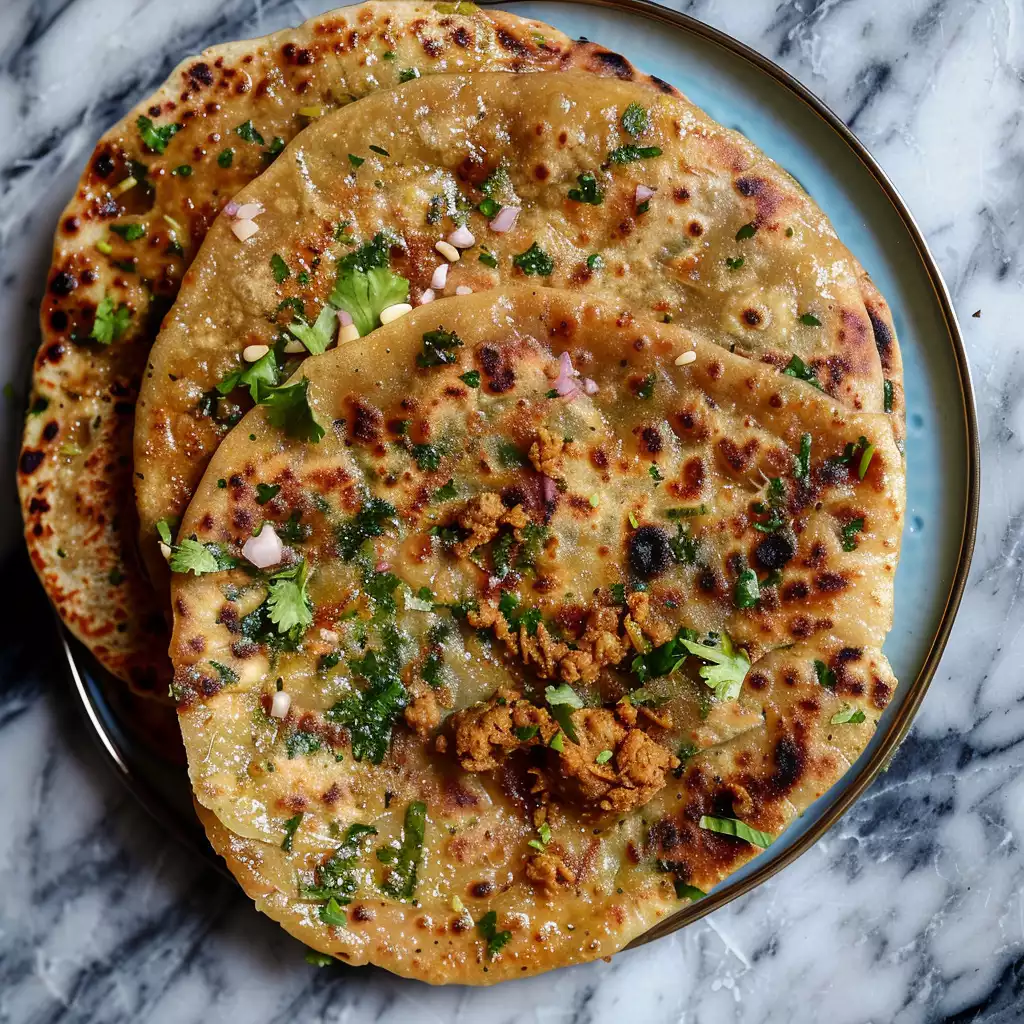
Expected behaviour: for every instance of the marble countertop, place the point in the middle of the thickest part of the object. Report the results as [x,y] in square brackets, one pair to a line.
[910,910]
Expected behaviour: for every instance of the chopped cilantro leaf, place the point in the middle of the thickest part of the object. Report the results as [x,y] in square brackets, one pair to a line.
[301,743]
[636,120]
[225,158]
[603,757]
[317,337]
[153,137]
[488,259]
[535,261]
[130,232]
[408,74]
[496,941]
[745,232]
[279,268]
[526,732]
[655,473]
[248,133]
[810,320]
[332,914]
[558,742]
[288,604]
[370,714]
[544,829]
[110,323]
[199,559]
[589,191]
[471,378]
[734,262]
[595,262]
[447,493]
[163,530]
[803,460]
[365,284]
[335,878]
[182,171]
[646,388]
[562,700]
[497,185]
[291,826]
[849,533]
[266,492]
[438,348]
[727,669]
[826,677]
[258,377]
[735,827]
[747,591]
[847,716]
[356,161]
[289,410]
[427,456]
[887,396]
[228,676]
[796,367]
[403,862]
[629,153]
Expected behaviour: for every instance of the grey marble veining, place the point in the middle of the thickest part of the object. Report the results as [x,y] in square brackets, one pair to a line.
[910,910]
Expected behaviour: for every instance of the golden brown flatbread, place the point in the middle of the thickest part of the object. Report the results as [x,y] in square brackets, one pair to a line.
[505,630]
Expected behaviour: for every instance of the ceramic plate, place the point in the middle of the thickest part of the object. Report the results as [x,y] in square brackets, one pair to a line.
[742,90]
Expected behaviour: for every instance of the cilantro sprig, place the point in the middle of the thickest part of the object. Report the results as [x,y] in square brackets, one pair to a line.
[403,861]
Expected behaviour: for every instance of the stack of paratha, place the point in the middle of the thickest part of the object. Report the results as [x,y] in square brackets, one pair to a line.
[519,463]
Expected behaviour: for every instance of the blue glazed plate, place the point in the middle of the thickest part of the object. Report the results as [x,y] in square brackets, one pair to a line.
[743,90]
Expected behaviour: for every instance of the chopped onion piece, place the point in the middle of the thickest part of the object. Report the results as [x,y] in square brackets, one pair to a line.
[427,296]
[549,489]
[244,229]
[440,278]
[249,211]
[506,219]
[462,238]
[231,209]
[463,289]
[643,193]
[686,357]
[344,317]
[294,346]
[280,705]
[565,383]
[348,334]
[265,549]
[590,386]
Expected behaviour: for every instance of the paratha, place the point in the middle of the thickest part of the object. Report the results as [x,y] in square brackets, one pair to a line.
[722,240]
[504,630]
[152,188]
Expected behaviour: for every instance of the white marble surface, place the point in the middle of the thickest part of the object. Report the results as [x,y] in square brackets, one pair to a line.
[910,910]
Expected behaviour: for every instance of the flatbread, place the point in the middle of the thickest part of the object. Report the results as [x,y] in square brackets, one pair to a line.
[236,104]
[730,245]
[524,573]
